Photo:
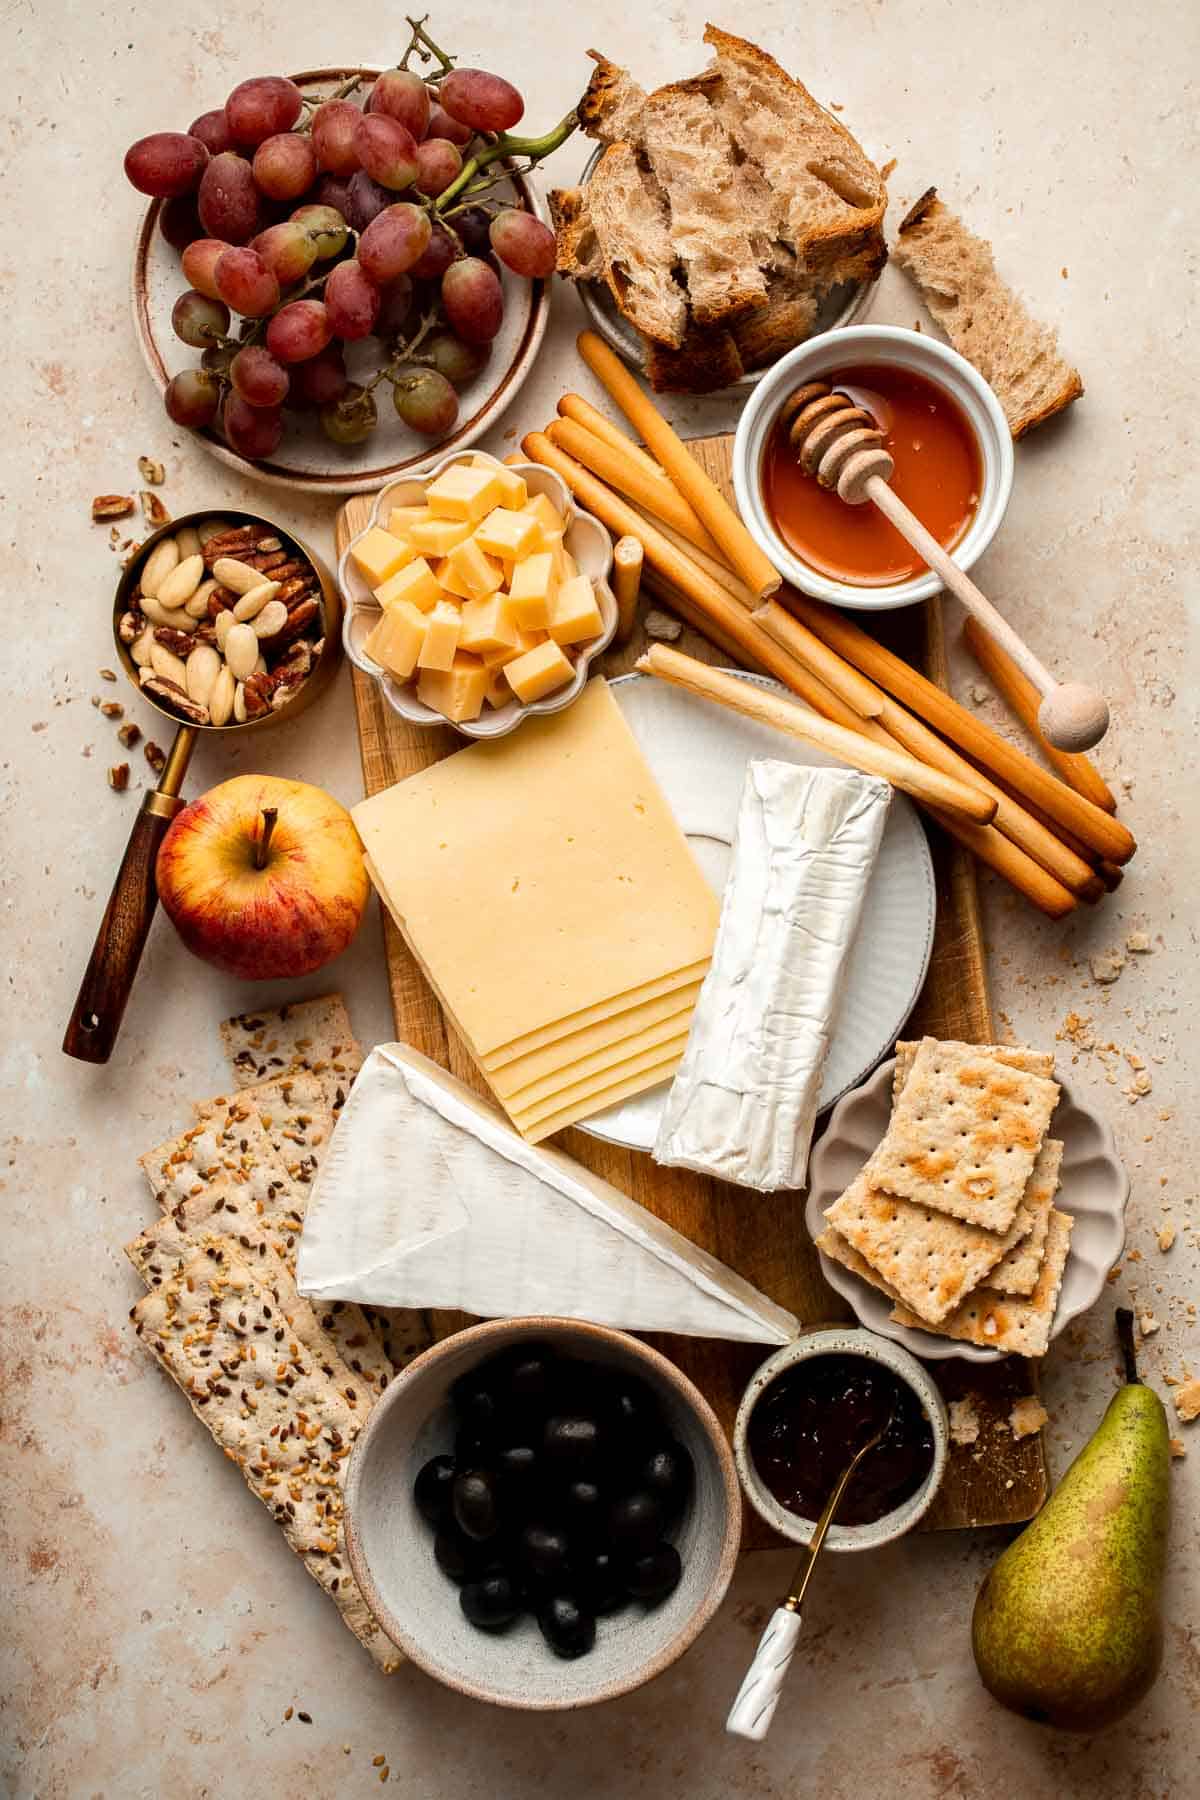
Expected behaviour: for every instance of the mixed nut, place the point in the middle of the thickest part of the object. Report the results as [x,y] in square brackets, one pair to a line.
[224,622]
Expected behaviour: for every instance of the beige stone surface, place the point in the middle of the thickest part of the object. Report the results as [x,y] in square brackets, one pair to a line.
[154,1629]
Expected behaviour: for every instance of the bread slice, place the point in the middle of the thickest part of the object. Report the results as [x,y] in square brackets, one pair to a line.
[786,320]
[706,361]
[579,255]
[629,217]
[983,318]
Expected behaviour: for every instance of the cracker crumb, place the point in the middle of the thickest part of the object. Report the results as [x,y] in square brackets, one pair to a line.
[1166,1236]
[964,1421]
[1106,966]
[1148,1324]
[1178,1447]
[662,626]
[1139,943]
[1027,1416]
[1186,1399]
[978,694]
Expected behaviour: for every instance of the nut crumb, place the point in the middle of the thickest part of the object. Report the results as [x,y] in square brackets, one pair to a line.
[129,734]
[1186,1400]
[662,626]
[151,471]
[377,1762]
[1106,965]
[978,694]
[1139,943]
[111,506]
[964,1421]
[153,510]
[1148,1324]
[118,777]
[1027,1416]
[112,709]
[1166,1236]
[1178,1447]
[155,756]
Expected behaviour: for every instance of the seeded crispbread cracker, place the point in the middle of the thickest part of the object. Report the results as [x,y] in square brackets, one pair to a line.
[1017,1272]
[232,1143]
[312,1035]
[928,1258]
[835,1247]
[1014,1056]
[293,1110]
[964,1134]
[276,1415]
[1020,1327]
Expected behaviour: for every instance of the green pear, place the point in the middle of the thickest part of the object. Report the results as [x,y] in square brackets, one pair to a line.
[1068,1625]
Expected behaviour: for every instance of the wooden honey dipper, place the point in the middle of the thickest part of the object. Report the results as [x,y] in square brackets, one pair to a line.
[840,443]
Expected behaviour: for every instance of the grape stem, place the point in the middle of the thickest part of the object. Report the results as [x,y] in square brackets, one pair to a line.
[402,353]
[504,145]
[422,45]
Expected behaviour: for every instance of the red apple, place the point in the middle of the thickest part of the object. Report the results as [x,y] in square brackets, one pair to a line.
[263,877]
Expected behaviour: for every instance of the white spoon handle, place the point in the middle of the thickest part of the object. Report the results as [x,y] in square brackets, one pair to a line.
[751,1713]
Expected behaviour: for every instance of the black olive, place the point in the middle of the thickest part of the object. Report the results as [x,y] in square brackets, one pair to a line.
[635,1412]
[601,1580]
[571,1441]
[475,1402]
[516,1465]
[544,1552]
[635,1523]
[457,1555]
[431,1489]
[668,1473]
[568,1628]
[653,1576]
[532,1373]
[476,1507]
[473,1448]
[584,1506]
[492,1602]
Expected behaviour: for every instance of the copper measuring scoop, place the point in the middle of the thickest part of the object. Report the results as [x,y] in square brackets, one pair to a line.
[100,1004]
[751,1713]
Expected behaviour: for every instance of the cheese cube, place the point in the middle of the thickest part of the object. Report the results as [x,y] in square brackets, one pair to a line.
[437,537]
[574,612]
[488,625]
[513,491]
[477,574]
[378,554]
[511,535]
[538,672]
[463,492]
[396,641]
[531,590]
[548,519]
[498,691]
[526,640]
[458,692]
[415,583]
[402,518]
[442,627]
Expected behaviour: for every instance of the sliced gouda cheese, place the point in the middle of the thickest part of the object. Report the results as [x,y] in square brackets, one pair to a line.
[622,1031]
[589,1086]
[591,1015]
[583,1109]
[541,873]
[608,1062]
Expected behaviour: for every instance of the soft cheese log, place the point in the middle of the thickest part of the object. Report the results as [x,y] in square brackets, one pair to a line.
[427,1198]
[744,1102]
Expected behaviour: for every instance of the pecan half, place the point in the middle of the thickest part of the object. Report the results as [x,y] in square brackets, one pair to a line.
[153,510]
[128,626]
[172,695]
[151,471]
[298,620]
[111,506]
[181,642]
[257,693]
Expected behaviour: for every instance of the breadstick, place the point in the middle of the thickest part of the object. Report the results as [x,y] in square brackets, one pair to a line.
[664,443]
[1103,834]
[1024,700]
[574,406]
[653,493]
[720,571]
[851,747]
[628,556]
[862,696]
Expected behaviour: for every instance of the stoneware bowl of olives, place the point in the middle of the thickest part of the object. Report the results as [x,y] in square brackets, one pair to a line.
[542,1513]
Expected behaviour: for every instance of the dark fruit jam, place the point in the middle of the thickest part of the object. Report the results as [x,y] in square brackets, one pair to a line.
[811,1421]
[938,475]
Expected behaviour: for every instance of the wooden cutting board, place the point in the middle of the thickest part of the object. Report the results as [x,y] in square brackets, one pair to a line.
[995,1481]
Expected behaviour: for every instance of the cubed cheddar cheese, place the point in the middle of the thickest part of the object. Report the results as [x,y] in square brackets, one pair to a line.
[488,626]
[442,628]
[395,643]
[526,640]
[548,519]
[574,612]
[507,534]
[378,554]
[401,519]
[415,583]
[531,590]
[538,672]
[498,691]
[437,537]
[464,492]
[476,575]
[457,692]
[513,491]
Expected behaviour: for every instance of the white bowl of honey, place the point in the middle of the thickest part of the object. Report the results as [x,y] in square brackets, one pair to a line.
[943,427]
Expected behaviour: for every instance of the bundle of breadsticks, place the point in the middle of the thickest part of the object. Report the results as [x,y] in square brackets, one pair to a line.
[1050,832]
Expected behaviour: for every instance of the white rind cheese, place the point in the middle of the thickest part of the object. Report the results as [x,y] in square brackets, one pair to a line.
[427,1198]
[744,1101]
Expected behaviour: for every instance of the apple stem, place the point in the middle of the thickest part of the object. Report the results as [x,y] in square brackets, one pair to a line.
[270,815]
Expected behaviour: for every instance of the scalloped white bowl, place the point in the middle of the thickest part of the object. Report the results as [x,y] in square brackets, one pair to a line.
[1093,1188]
[585,537]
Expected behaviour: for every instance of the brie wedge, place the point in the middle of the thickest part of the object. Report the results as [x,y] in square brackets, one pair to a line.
[744,1102]
[427,1198]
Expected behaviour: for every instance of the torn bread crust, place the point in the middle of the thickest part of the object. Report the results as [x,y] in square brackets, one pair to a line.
[277,1416]
[627,216]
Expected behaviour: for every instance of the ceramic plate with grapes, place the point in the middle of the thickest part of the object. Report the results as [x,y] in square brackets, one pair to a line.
[310,379]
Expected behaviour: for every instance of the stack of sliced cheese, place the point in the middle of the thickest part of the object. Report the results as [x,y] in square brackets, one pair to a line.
[481,600]
[555,907]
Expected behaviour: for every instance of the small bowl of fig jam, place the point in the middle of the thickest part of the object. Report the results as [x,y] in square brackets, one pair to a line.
[807,1411]
[947,436]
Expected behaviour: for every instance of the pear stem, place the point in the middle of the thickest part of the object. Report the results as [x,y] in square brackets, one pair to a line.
[1125,1339]
[269,816]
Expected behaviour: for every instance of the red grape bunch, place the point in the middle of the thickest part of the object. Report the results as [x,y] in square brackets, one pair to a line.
[323,222]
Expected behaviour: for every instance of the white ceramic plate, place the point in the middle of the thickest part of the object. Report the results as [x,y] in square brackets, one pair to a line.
[698,753]
[585,538]
[306,459]
[1093,1189]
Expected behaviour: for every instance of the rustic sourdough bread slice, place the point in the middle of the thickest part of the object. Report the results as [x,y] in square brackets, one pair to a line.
[983,318]
[622,236]
[705,362]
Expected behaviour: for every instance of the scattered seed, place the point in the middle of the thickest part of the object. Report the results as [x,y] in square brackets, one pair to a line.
[377,1762]
[304,1718]
[288,1713]
[108,674]
[384,1772]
